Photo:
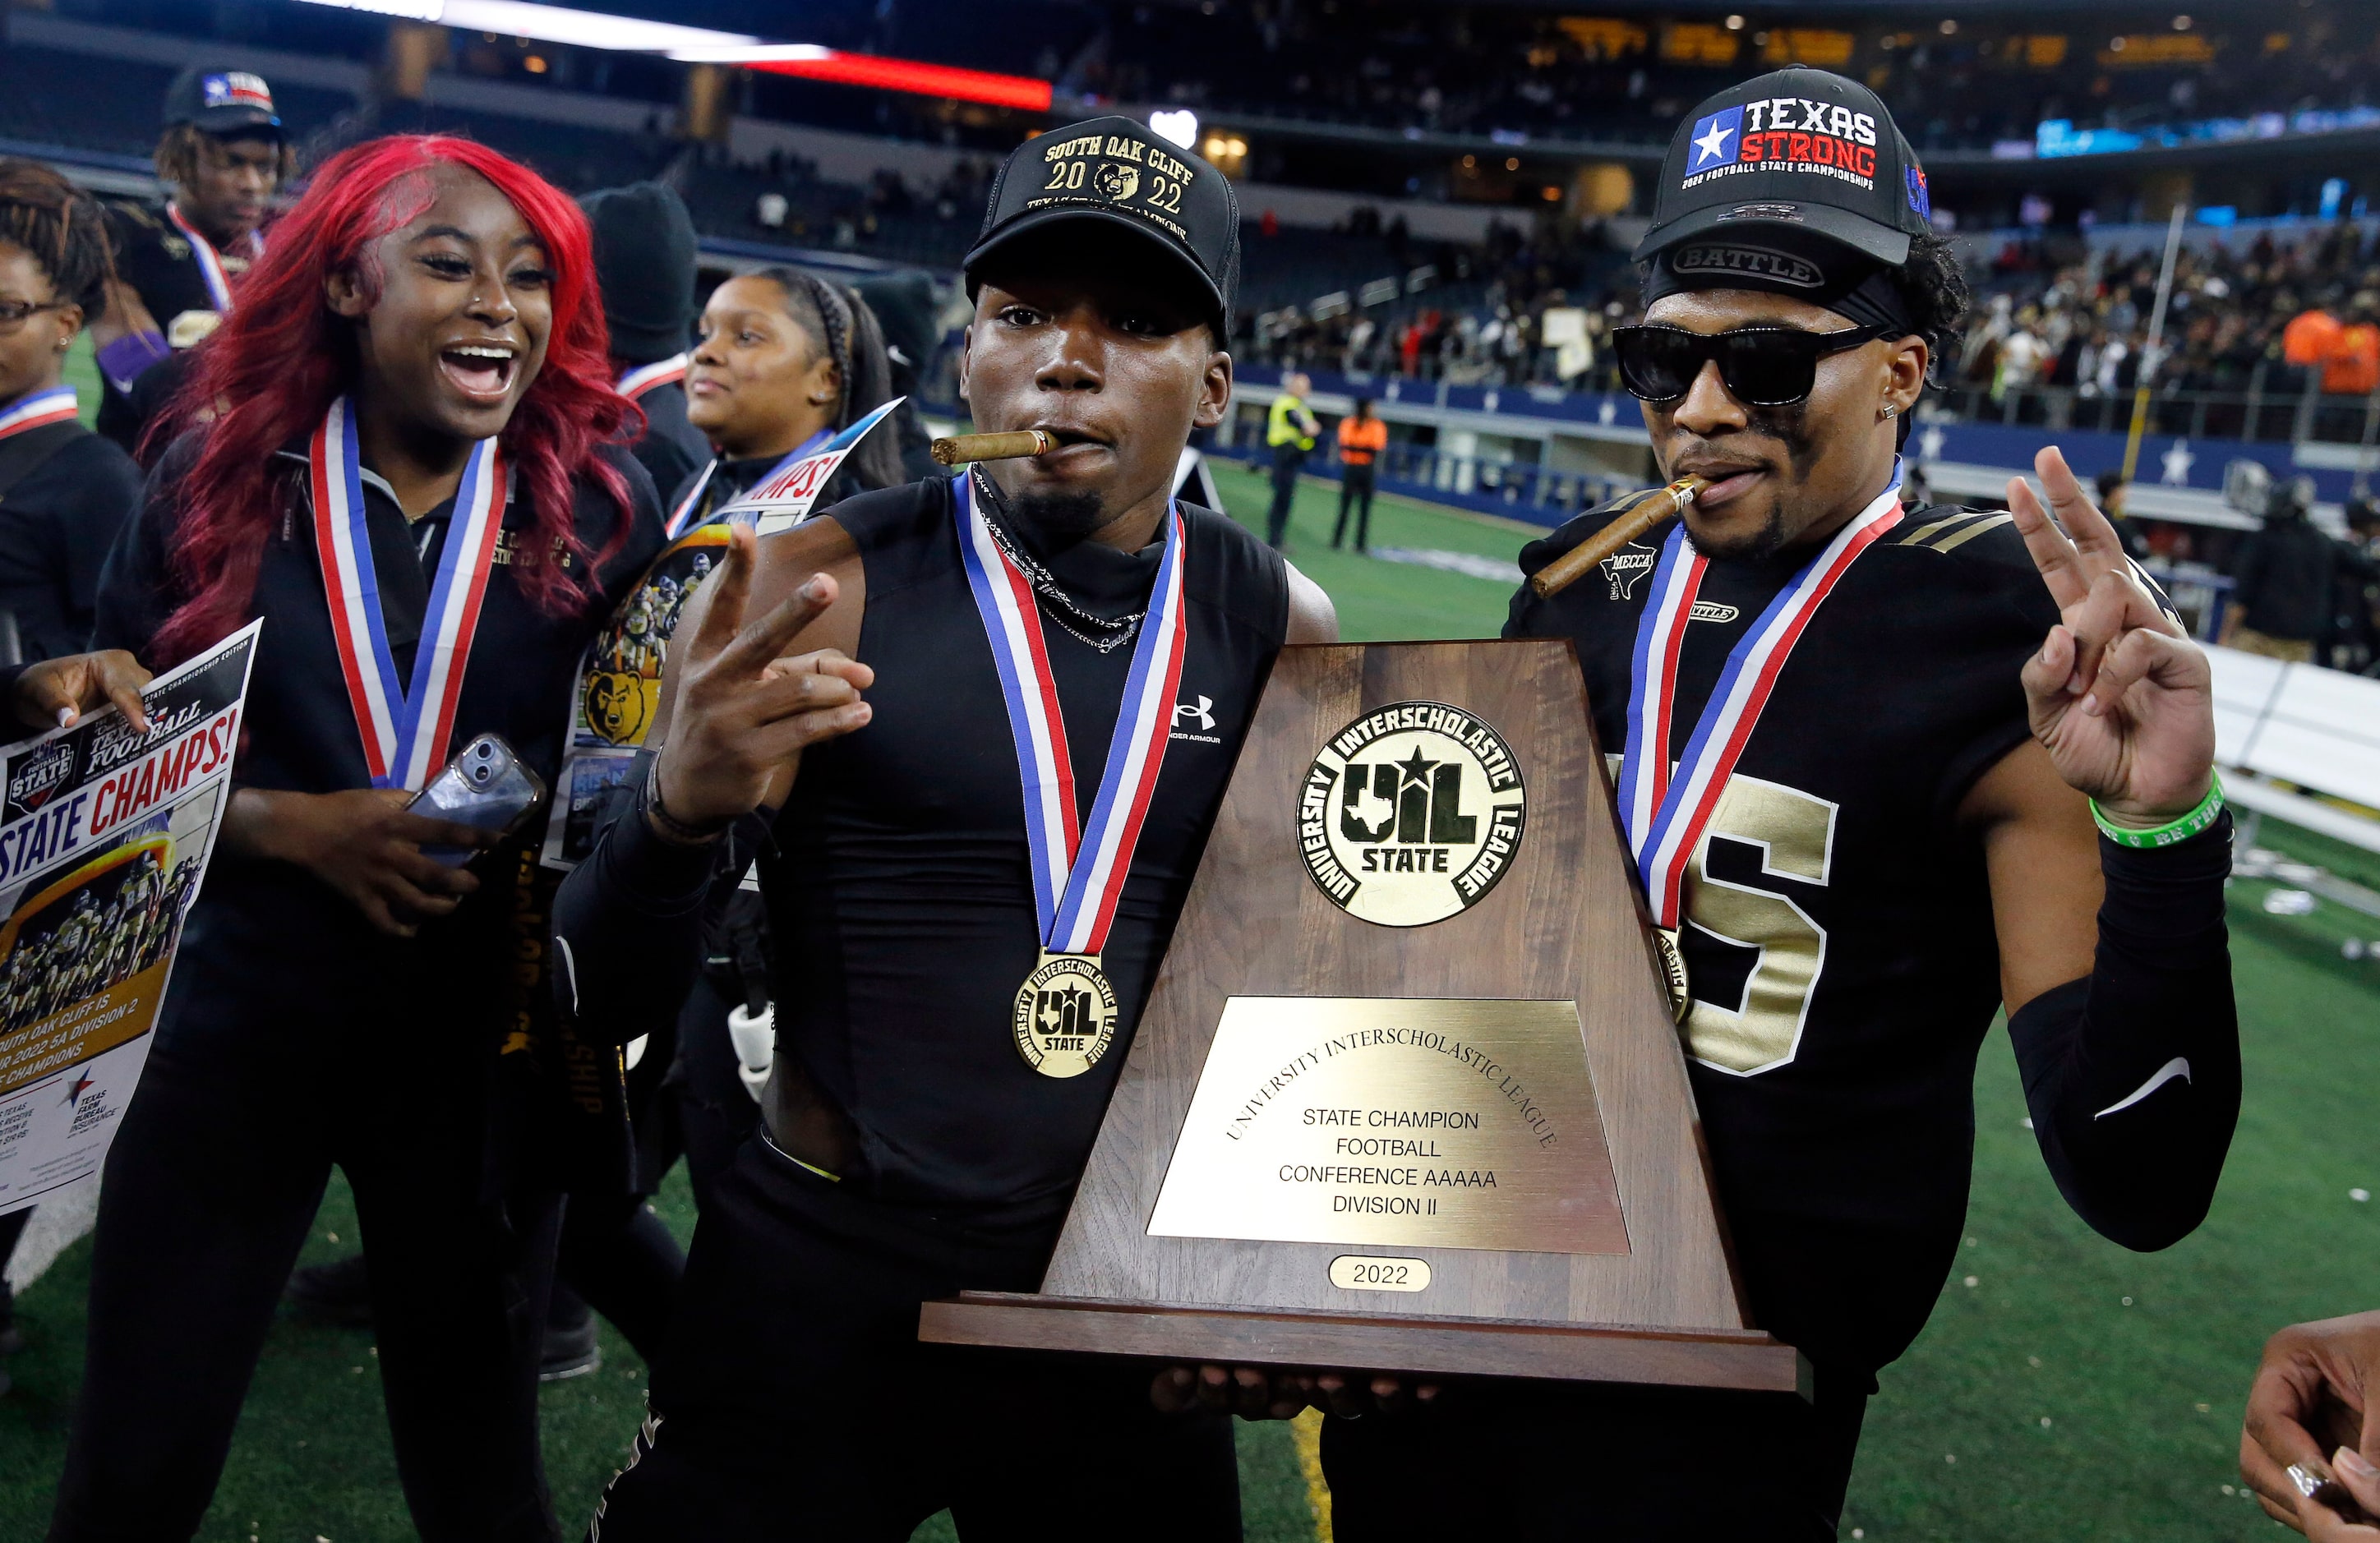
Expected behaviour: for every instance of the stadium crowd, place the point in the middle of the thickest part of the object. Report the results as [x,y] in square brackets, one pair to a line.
[364,367]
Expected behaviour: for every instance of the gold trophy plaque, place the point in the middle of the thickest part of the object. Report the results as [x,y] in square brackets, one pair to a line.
[1407,1095]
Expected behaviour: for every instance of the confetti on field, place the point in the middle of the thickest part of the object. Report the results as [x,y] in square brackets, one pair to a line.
[2358,1196]
[1971,1282]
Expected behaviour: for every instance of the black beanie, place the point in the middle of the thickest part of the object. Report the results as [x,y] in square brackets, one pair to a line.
[644,262]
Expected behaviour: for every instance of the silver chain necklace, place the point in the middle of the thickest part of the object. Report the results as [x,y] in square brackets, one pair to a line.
[1106,634]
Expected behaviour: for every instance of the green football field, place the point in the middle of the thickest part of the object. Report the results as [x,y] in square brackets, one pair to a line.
[2065,1390]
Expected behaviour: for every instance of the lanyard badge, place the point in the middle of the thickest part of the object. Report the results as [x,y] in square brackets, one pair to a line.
[405,729]
[1066,1011]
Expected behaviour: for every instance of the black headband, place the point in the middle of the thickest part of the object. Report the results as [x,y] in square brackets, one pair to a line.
[1857,288]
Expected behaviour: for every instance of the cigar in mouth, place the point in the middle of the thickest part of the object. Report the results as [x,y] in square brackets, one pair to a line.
[1651,508]
[963,449]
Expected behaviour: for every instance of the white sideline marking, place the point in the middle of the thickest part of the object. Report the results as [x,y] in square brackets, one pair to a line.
[2177,1067]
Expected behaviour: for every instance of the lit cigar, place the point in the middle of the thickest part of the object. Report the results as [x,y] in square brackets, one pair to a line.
[994,448]
[1649,510]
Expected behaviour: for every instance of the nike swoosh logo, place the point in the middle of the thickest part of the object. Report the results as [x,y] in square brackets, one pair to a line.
[2177,1067]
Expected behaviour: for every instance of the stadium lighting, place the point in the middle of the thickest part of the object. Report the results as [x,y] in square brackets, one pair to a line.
[703,45]
[550,24]
[1182,127]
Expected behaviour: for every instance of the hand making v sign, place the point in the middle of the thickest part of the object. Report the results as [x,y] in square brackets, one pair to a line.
[2118,694]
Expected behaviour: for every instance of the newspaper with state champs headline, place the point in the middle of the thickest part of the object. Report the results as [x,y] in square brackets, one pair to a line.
[105,835]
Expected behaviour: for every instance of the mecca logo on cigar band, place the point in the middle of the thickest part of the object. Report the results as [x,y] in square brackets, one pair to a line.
[36,774]
[1410,814]
[1750,262]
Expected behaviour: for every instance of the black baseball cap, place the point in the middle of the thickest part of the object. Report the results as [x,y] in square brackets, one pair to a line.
[644,265]
[221,102]
[1797,148]
[1120,173]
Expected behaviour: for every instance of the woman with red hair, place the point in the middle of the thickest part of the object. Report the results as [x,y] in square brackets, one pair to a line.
[400,451]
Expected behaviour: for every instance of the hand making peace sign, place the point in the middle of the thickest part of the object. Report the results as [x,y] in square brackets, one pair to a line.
[743,712]
[2118,694]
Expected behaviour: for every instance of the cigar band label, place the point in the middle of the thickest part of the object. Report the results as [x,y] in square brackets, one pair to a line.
[1411,814]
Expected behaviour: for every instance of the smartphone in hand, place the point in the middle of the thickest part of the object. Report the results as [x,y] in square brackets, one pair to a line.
[485,786]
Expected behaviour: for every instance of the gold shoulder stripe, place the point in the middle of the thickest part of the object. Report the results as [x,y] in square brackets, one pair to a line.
[1954,539]
[1920,536]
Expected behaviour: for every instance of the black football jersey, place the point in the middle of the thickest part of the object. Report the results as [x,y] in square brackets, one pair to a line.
[1836,923]
[155,260]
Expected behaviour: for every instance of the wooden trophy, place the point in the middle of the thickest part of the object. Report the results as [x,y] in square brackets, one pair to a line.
[1408,1095]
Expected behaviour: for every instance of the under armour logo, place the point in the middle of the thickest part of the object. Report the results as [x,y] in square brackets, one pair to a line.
[1205,719]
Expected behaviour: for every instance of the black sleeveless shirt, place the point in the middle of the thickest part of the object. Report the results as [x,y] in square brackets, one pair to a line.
[901,904]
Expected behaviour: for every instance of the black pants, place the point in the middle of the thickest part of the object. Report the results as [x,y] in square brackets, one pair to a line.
[619,1259]
[1355,488]
[794,1400]
[210,1189]
[1597,1466]
[1287,461]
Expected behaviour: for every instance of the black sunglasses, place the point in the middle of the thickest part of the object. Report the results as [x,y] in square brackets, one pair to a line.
[1763,367]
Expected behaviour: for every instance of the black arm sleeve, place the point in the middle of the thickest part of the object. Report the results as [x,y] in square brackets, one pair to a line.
[2132,1072]
[627,924]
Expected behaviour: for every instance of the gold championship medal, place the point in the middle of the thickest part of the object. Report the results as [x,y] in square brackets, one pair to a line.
[1673,971]
[1066,1014]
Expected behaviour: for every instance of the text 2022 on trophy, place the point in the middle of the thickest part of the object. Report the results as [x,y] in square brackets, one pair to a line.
[1407,1095]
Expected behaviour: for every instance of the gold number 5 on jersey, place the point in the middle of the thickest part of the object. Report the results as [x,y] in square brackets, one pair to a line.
[1795,833]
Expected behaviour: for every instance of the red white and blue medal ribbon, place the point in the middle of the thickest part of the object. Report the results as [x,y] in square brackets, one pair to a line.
[1077,878]
[32,410]
[405,729]
[1666,811]
[210,265]
[645,377]
[680,518]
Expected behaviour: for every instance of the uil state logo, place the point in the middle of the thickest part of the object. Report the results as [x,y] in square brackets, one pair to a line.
[1066,1016]
[1411,813]
[1117,181]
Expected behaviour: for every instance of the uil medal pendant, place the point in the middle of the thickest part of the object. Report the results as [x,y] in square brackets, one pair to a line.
[1066,1014]
[1673,971]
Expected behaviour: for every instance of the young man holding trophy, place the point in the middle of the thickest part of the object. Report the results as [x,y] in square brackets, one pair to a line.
[1885,770]
[972,880]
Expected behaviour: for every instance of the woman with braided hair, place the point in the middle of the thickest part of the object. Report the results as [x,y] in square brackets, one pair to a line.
[64,490]
[787,358]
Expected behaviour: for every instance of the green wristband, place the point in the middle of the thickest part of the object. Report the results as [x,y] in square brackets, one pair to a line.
[2179,829]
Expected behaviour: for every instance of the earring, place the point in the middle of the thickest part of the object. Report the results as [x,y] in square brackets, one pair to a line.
[1890,409]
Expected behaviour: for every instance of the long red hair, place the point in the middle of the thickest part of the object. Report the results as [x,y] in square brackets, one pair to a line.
[282,357]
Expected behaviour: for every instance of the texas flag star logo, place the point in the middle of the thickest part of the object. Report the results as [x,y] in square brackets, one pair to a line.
[1714,139]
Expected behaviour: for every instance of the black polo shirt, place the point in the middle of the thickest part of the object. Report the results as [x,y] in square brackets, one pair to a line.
[59,516]
[266,931]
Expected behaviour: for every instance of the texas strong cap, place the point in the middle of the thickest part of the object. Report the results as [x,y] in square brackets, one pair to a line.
[1117,172]
[1796,149]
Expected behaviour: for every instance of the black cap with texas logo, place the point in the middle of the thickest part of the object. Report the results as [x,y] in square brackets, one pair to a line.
[1119,172]
[228,104]
[1797,148]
